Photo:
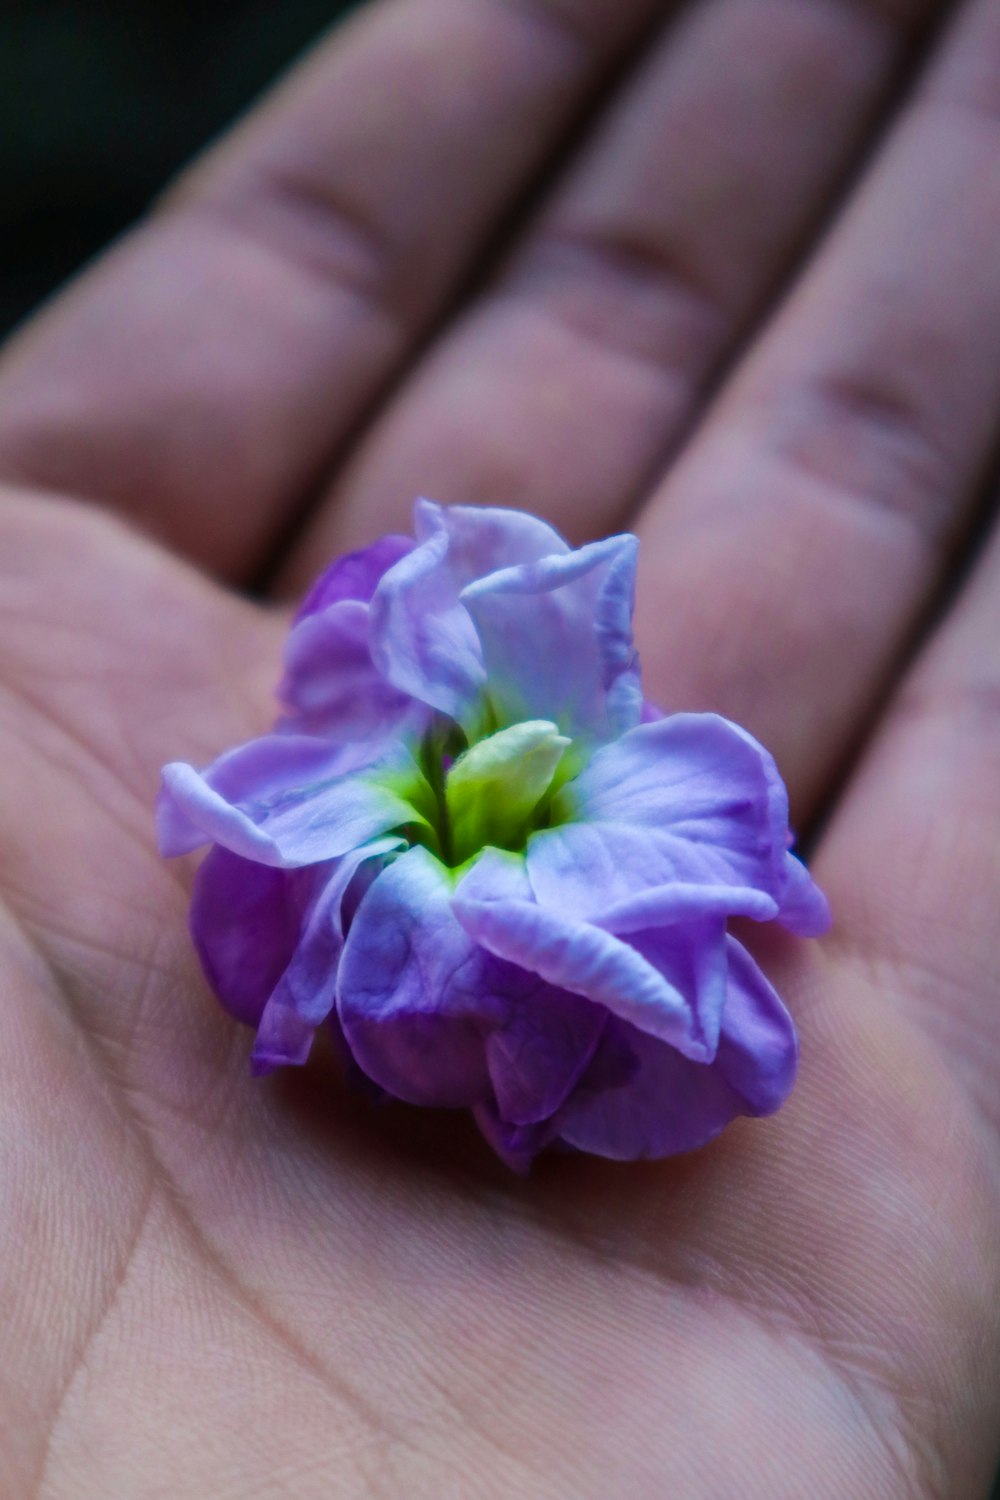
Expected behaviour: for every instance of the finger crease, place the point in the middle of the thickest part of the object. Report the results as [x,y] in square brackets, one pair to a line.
[873,446]
[624,297]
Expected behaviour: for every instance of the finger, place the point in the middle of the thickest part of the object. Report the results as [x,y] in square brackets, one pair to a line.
[203,372]
[912,861]
[569,379]
[803,533]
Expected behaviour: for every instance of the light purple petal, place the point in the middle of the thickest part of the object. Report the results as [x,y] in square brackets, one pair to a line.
[355,575]
[672,1104]
[691,798]
[669,905]
[579,957]
[580,605]
[423,640]
[305,993]
[759,1050]
[286,800]
[804,908]
[331,684]
[410,994]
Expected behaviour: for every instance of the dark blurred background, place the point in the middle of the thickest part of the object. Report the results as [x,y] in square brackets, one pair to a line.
[100,102]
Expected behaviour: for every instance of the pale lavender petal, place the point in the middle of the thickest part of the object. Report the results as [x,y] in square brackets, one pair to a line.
[423,640]
[410,992]
[332,687]
[286,801]
[580,604]
[692,798]
[305,993]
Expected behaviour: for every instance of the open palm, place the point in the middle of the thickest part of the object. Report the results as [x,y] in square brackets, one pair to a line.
[211,1286]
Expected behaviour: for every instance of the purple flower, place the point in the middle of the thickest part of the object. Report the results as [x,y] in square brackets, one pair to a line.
[473,850]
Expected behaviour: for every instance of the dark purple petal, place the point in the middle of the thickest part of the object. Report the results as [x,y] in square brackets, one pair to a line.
[759,1050]
[355,575]
[578,956]
[245,922]
[410,993]
[537,1055]
[516,1145]
[804,908]
[305,994]
[580,604]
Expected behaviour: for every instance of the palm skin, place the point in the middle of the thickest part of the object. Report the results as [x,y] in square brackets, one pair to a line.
[213,1285]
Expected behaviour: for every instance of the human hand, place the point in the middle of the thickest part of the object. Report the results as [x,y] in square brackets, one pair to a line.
[212,1285]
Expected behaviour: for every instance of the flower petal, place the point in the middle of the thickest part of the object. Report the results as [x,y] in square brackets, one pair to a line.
[804,908]
[355,575]
[287,800]
[690,798]
[580,605]
[672,1104]
[543,1046]
[580,957]
[759,1049]
[245,923]
[305,993]
[332,686]
[516,1145]
[410,993]
[423,640]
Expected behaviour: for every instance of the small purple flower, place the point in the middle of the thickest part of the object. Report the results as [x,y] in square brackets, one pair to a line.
[473,850]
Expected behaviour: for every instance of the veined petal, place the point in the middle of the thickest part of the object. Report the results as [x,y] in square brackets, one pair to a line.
[580,605]
[287,800]
[410,993]
[671,1104]
[691,798]
[577,956]
[305,993]
[245,921]
[332,686]
[804,908]
[423,640]
[536,1057]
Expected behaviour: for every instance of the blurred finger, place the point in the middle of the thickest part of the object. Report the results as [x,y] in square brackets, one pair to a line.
[202,373]
[912,861]
[802,535]
[567,382]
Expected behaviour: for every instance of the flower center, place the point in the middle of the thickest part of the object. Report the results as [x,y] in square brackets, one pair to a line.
[496,792]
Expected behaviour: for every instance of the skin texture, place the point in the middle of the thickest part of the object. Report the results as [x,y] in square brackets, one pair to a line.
[747,299]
